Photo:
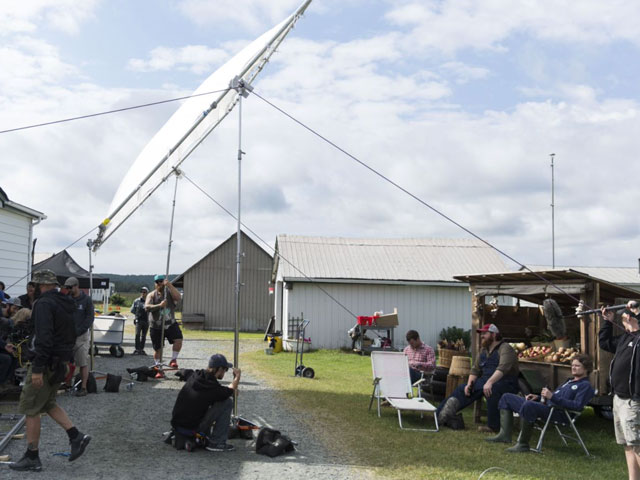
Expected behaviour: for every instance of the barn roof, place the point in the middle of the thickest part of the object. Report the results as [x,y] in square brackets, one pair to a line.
[383,259]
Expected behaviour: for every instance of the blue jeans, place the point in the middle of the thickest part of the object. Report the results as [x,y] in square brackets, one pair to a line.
[527,409]
[216,421]
[502,386]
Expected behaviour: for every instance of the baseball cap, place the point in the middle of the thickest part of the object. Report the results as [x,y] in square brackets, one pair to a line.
[489,327]
[45,276]
[71,282]
[158,278]
[218,360]
[14,301]
[144,289]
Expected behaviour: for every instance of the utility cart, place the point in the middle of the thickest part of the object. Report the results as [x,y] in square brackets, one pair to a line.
[108,331]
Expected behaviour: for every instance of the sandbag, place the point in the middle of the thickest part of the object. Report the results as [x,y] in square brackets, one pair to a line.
[272,443]
[113,383]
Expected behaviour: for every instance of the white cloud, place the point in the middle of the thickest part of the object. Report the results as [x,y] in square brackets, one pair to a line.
[198,59]
[63,15]
[488,170]
[250,14]
[452,25]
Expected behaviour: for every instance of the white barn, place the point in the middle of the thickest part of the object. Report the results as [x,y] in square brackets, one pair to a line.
[16,240]
[375,274]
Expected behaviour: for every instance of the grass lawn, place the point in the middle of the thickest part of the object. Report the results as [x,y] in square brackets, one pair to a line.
[335,403]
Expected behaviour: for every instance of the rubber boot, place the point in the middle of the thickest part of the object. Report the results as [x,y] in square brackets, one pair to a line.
[523,438]
[448,411]
[506,427]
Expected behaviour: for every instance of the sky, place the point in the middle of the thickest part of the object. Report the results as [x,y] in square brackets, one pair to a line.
[460,102]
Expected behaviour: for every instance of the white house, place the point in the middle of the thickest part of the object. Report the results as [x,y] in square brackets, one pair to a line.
[330,281]
[16,240]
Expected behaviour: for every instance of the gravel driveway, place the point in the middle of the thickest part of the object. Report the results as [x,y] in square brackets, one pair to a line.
[127,428]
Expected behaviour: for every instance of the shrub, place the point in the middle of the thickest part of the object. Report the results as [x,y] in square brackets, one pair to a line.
[452,334]
[117,299]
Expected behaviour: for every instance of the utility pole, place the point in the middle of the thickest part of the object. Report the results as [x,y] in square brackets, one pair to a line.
[553,219]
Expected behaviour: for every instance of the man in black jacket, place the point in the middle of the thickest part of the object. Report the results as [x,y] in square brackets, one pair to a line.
[205,406]
[624,376]
[52,348]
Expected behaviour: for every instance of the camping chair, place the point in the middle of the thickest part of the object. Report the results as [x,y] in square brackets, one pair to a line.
[392,382]
[569,420]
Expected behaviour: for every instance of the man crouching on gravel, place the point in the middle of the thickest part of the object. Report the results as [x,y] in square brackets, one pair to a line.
[205,406]
[52,349]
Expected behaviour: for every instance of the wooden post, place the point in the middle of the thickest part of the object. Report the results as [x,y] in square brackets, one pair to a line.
[476,320]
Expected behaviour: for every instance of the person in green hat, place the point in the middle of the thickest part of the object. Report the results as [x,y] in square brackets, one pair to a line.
[54,339]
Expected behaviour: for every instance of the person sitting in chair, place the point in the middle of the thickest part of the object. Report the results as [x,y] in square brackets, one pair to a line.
[205,406]
[574,394]
[422,358]
[494,373]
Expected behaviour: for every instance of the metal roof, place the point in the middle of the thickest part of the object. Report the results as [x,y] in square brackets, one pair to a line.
[383,259]
[608,291]
[619,275]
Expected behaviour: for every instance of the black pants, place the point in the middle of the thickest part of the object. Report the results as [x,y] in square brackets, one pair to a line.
[141,334]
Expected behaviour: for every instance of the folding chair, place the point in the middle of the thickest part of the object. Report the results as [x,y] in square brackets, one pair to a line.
[571,416]
[392,382]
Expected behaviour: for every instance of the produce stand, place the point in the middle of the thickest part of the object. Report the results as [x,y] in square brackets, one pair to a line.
[523,321]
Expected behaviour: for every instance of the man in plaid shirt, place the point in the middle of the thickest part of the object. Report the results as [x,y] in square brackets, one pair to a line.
[422,358]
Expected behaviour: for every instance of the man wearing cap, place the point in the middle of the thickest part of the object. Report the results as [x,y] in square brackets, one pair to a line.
[83,318]
[159,309]
[52,349]
[495,372]
[204,406]
[624,377]
[28,298]
[141,321]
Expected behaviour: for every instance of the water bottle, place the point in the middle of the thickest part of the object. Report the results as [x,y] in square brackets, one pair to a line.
[129,386]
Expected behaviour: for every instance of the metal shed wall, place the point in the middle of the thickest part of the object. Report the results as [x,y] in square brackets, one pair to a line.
[427,309]
[209,287]
[15,251]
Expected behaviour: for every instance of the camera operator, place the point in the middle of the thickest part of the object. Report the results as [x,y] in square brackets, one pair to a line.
[624,376]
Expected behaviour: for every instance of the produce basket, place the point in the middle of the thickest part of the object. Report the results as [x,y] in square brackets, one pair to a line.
[446,354]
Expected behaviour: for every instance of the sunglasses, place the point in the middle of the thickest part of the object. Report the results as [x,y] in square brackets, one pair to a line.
[159,281]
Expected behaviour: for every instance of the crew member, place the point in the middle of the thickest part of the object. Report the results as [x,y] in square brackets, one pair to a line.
[159,309]
[494,373]
[205,406]
[141,321]
[624,377]
[83,318]
[53,343]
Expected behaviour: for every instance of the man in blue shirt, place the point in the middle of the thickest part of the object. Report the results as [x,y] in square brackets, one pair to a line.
[574,394]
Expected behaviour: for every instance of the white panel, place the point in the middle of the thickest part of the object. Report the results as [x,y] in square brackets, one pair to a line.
[423,308]
[14,251]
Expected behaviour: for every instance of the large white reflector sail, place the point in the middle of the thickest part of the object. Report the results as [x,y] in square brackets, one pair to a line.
[189,126]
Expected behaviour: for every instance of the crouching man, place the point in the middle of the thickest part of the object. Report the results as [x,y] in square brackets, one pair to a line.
[204,406]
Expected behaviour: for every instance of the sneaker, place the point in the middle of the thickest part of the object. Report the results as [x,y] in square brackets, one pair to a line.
[142,352]
[136,352]
[26,464]
[160,374]
[220,447]
[78,445]
[173,363]
[81,393]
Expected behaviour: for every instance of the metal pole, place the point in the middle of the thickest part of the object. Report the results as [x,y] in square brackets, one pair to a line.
[166,289]
[236,336]
[553,219]
[91,353]
[15,429]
